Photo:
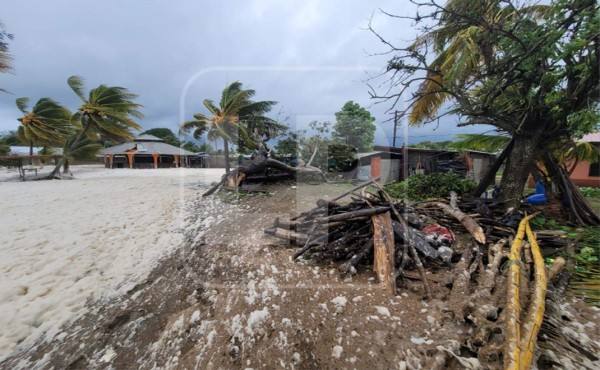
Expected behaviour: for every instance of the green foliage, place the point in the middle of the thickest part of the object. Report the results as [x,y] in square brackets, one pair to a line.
[107,112]
[47,122]
[438,145]
[164,133]
[340,157]
[587,254]
[590,192]
[436,185]
[530,70]
[588,247]
[237,119]
[287,148]
[355,126]
[193,147]
[485,143]
[9,138]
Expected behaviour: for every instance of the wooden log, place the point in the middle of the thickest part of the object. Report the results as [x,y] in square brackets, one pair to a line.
[468,222]
[557,267]
[323,203]
[358,187]
[354,214]
[356,258]
[383,245]
[287,224]
[290,235]
[322,240]
[411,245]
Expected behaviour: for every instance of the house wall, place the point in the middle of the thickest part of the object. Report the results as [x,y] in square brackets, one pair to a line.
[581,177]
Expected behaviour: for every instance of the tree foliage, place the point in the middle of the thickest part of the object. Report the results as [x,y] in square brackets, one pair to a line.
[530,70]
[288,147]
[47,123]
[164,133]
[237,119]
[436,185]
[355,126]
[438,145]
[485,143]
[106,113]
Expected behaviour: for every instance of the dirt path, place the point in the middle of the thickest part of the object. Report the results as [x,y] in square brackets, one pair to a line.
[232,298]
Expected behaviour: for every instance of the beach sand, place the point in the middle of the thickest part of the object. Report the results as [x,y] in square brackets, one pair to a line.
[66,242]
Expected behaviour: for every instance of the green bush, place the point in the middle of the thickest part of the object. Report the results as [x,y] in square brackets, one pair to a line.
[437,185]
[590,192]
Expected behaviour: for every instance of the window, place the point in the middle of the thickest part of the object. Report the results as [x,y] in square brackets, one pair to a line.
[594,170]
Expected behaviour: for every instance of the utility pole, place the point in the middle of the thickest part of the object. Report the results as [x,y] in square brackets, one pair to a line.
[395,126]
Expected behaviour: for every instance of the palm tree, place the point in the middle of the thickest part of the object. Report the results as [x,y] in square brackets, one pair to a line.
[5,57]
[237,119]
[106,113]
[48,122]
[460,47]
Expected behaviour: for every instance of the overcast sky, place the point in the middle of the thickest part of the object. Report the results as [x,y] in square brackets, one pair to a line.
[311,56]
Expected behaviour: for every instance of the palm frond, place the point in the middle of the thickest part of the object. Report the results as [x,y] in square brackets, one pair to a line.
[23,104]
[430,99]
[76,83]
[486,143]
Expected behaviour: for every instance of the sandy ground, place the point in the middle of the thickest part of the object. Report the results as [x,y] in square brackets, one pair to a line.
[229,296]
[67,242]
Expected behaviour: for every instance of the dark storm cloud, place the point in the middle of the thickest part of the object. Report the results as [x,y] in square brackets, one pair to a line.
[155,48]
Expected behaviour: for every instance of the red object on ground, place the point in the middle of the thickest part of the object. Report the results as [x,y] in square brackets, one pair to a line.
[439,233]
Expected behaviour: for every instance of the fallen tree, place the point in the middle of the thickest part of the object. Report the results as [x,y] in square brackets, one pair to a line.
[262,164]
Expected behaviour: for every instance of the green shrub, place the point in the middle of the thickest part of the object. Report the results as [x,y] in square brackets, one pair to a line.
[436,185]
[590,192]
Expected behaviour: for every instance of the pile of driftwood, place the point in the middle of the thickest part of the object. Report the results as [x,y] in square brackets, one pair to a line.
[490,272]
[373,222]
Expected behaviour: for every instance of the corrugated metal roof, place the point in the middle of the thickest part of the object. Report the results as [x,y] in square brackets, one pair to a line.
[147,137]
[147,147]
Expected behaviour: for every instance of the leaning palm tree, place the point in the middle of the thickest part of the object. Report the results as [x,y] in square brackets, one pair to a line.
[237,119]
[461,48]
[47,122]
[107,112]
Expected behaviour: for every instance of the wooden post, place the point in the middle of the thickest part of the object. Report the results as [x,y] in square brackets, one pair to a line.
[130,156]
[155,156]
[176,160]
[110,161]
[375,166]
[383,243]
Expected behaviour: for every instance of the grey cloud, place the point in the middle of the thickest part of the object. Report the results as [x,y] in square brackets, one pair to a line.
[153,48]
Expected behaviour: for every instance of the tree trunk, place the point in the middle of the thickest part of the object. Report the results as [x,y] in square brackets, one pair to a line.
[580,210]
[490,176]
[226,154]
[66,167]
[518,166]
[312,157]
[67,151]
[30,152]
